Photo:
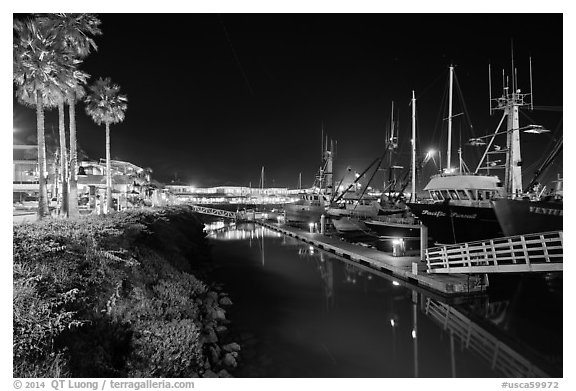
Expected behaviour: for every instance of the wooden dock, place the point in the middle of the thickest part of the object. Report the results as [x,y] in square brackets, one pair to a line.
[408,268]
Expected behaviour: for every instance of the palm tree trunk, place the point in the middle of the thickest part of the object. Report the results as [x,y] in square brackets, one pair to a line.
[73,176]
[108,204]
[43,196]
[63,160]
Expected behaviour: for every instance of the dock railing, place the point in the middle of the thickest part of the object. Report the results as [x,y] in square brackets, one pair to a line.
[214,212]
[538,252]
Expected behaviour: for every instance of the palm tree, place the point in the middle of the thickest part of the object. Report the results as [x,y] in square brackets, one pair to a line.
[106,106]
[74,32]
[40,69]
[73,96]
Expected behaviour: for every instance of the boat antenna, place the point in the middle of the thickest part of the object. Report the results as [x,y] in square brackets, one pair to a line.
[413,195]
[531,93]
[450,115]
[512,65]
[322,142]
[490,88]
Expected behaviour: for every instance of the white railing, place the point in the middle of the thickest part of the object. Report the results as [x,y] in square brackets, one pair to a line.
[536,252]
[214,212]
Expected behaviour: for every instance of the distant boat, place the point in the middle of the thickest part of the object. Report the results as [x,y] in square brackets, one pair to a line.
[308,209]
[310,206]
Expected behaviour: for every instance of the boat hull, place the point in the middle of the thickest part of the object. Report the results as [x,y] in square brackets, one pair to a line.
[448,223]
[393,229]
[347,225]
[518,217]
[298,214]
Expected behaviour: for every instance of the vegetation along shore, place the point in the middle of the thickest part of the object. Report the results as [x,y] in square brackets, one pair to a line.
[118,295]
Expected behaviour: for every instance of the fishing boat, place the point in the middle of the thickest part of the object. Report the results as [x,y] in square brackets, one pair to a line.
[539,213]
[470,206]
[461,207]
[312,204]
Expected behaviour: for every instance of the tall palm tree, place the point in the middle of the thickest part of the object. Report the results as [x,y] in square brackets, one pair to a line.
[74,95]
[106,105]
[74,32]
[40,67]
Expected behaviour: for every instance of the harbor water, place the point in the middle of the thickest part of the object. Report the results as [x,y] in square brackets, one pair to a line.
[302,312]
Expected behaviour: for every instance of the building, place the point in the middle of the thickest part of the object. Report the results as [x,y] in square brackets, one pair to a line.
[131,185]
[228,194]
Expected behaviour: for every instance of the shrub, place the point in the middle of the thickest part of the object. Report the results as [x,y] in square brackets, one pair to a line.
[113,296]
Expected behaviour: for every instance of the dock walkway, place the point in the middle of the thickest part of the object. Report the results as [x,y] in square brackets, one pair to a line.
[408,268]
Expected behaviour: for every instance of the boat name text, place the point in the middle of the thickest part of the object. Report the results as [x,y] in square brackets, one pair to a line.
[457,215]
[546,211]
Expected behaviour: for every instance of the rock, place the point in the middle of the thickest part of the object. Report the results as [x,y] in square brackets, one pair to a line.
[231,347]
[224,373]
[218,313]
[209,336]
[225,301]
[230,361]
[209,373]
[215,352]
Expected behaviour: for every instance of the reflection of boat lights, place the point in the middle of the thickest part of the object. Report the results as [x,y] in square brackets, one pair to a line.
[395,283]
[413,334]
[311,248]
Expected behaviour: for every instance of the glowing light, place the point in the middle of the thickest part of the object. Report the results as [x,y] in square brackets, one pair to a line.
[413,334]
[395,283]
[392,323]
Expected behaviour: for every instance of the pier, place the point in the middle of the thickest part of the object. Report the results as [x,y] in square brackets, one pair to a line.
[408,268]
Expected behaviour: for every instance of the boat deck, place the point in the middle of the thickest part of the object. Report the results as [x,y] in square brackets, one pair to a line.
[408,268]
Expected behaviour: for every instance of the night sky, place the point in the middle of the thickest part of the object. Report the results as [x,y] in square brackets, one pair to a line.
[214,97]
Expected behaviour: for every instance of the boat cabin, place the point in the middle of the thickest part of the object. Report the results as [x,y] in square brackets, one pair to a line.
[464,187]
[312,199]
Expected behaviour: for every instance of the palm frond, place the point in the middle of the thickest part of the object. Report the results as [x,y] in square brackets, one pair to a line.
[104,103]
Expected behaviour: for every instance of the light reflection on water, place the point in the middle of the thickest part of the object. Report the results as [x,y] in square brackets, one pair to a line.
[301,312]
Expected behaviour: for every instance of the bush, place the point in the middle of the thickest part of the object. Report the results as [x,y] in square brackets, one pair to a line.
[114,296]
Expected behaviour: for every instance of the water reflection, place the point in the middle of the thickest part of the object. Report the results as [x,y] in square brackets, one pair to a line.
[302,312]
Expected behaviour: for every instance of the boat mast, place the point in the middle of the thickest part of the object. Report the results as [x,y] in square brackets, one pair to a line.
[413,196]
[450,116]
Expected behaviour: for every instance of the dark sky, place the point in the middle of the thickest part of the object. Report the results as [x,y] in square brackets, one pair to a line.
[212,98]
